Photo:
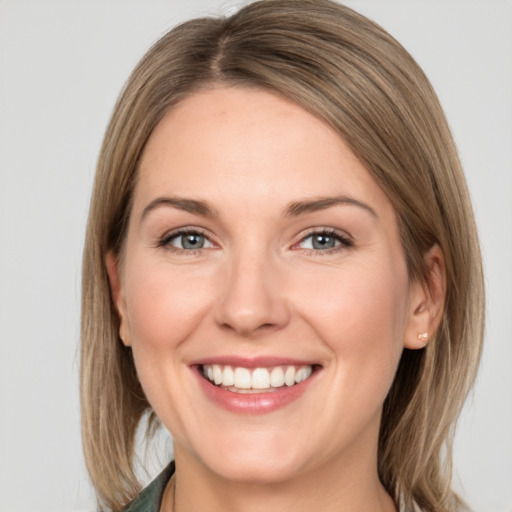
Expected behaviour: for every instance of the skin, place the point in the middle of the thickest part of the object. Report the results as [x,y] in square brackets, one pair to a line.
[258,288]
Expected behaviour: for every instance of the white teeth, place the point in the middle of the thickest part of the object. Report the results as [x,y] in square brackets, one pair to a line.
[217,374]
[289,376]
[260,379]
[228,376]
[277,377]
[303,374]
[244,379]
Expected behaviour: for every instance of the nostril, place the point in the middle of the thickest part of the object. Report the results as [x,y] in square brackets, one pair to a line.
[247,329]
[250,305]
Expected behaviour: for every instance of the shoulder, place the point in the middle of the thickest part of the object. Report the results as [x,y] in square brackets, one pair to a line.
[150,497]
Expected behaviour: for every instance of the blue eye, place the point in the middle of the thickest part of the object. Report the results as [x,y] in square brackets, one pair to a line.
[324,241]
[187,241]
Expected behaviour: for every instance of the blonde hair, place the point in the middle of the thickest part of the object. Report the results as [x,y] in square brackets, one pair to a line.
[348,71]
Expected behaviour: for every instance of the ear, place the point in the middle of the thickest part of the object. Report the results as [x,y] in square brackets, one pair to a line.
[427,299]
[117,292]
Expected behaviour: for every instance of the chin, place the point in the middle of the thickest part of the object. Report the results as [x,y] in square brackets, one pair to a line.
[260,459]
[257,470]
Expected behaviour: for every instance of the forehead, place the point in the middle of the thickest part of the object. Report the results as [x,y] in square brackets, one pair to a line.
[250,144]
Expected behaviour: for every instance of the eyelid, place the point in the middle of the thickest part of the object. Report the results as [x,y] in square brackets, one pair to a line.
[165,240]
[346,241]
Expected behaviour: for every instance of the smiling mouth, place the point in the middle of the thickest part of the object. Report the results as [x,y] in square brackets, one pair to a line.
[256,380]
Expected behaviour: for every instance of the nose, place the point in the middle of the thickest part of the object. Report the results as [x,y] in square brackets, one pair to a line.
[252,298]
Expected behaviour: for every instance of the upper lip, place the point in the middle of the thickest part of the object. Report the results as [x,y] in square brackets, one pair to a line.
[252,362]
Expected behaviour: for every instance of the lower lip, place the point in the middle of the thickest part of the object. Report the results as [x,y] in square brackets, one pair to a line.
[253,403]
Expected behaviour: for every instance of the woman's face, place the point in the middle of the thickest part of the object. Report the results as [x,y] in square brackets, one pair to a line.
[261,253]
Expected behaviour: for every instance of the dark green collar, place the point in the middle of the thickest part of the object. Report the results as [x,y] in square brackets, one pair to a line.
[150,498]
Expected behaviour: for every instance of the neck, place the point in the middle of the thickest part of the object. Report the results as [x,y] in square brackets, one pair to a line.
[349,487]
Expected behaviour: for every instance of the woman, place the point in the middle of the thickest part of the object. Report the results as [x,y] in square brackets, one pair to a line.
[282,266]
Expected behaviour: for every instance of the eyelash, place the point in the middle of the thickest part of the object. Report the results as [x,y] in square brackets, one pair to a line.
[344,241]
[165,241]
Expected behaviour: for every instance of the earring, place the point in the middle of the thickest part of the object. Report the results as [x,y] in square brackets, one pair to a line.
[423,336]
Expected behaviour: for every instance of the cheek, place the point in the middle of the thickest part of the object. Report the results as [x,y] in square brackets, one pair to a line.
[163,306]
[361,315]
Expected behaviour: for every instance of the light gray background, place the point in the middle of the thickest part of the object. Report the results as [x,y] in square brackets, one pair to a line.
[62,64]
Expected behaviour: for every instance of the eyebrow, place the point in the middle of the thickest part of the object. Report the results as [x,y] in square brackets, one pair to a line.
[296,208]
[322,203]
[201,208]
